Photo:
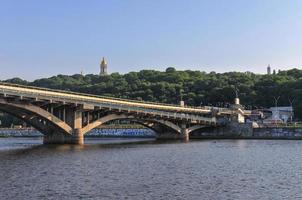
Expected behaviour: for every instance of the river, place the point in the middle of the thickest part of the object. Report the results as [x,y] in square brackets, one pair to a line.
[145,169]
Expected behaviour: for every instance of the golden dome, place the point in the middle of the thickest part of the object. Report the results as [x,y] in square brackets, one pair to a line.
[104,62]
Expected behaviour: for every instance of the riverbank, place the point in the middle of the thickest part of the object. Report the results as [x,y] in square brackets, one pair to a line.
[110,132]
[245,131]
[239,131]
[243,138]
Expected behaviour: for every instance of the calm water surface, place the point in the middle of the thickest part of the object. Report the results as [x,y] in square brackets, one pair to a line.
[135,169]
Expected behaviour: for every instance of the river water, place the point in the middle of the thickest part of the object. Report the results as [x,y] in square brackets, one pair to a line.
[144,169]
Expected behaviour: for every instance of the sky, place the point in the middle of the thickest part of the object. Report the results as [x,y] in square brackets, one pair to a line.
[45,38]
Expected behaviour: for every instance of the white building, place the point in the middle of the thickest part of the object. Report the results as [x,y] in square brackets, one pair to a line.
[285,114]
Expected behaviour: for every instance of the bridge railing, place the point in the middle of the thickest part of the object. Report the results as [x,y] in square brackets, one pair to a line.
[168,114]
[91,95]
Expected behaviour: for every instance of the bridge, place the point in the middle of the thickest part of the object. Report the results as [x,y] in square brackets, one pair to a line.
[65,117]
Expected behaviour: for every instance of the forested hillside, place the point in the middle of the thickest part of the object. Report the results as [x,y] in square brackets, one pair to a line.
[194,87]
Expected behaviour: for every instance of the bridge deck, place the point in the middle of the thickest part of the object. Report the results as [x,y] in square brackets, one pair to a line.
[107,102]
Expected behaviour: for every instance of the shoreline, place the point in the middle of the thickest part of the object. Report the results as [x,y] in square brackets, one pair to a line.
[194,138]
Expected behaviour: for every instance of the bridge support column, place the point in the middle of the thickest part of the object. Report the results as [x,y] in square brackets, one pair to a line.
[184,133]
[77,137]
[77,134]
[181,134]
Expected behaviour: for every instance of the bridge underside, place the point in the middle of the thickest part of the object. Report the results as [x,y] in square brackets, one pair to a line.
[62,122]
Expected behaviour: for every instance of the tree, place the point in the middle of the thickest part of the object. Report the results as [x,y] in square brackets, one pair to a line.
[170,70]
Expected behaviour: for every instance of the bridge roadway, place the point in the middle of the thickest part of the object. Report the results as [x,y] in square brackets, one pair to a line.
[64,116]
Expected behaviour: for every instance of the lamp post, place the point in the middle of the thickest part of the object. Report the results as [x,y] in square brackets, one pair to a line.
[291,101]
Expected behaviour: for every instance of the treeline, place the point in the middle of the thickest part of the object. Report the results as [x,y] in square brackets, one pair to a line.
[194,87]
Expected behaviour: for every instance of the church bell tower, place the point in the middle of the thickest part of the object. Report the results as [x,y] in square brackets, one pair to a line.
[103,67]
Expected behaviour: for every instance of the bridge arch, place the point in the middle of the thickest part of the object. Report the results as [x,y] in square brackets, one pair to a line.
[37,117]
[149,123]
[195,128]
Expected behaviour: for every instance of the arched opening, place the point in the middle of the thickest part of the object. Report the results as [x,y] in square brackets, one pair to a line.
[127,128]
[159,127]
[196,128]
[38,118]
[10,121]
[203,132]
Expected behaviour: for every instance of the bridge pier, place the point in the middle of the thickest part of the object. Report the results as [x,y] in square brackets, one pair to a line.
[57,138]
[181,134]
[77,137]
[184,133]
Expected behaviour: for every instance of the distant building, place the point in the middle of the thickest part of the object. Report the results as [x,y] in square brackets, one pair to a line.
[103,67]
[269,70]
[282,113]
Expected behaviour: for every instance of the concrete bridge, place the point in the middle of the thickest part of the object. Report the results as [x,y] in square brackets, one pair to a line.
[65,117]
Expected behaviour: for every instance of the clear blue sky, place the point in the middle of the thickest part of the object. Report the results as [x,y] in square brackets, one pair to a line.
[41,38]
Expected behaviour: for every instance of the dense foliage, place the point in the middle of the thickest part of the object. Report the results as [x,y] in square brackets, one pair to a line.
[194,87]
